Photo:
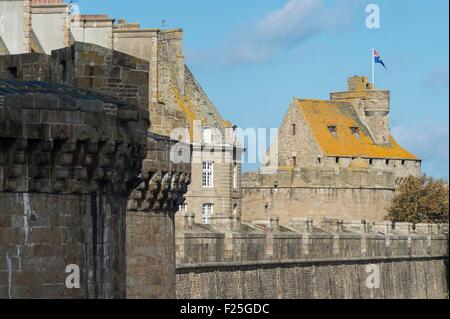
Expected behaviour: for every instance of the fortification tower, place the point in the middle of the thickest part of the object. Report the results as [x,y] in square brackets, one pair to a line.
[157,190]
[68,160]
[372,106]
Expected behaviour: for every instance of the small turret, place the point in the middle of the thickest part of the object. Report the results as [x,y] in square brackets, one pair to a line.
[372,105]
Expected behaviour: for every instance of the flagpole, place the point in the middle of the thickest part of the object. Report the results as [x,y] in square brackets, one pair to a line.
[373,69]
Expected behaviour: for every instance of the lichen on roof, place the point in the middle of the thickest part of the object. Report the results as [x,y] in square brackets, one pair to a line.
[227,124]
[321,114]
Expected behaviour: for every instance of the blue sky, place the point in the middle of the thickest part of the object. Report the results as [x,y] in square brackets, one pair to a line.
[253,56]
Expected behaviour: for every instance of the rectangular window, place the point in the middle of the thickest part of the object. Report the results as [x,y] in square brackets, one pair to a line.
[294,161]
[207,210]
[182,208]
[208,174]
[207,136]
[294,129]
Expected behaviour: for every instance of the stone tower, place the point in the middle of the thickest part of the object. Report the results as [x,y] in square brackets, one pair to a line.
[146,235]
[68,161]
[372,106]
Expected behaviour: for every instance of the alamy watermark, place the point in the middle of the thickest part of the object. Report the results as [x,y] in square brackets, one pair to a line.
[373,19]
[252,145]
[73,279]
[373,278]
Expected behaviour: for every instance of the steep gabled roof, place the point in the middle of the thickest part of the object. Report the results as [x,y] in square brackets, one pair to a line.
[322,114]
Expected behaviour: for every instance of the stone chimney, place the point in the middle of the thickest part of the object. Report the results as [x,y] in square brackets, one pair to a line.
[15,37]
[174,40]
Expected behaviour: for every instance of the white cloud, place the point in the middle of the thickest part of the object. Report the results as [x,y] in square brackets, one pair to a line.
[430,142]
[285,28]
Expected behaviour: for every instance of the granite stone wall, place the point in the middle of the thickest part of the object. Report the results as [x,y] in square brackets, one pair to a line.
[302,260]
[400,278]
[68,160]
[150,243]
[317,193]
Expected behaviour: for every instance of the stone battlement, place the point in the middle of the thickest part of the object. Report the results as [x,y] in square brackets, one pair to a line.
[267,240]
[302,260]
[324,177]
[46,128]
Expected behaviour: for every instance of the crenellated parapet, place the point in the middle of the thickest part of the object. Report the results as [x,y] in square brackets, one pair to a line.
[301,260]
[163,182]
[302,239]
[56,139]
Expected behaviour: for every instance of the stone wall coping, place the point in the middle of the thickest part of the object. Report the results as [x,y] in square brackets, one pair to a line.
[282,235]
[136,30]
[203,235]
[318,187]
[248,235]
[281,263]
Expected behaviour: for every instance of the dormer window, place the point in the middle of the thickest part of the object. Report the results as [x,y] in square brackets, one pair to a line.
[333,130]
[355,131]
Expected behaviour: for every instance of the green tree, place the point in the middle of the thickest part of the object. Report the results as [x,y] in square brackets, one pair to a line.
[420,200]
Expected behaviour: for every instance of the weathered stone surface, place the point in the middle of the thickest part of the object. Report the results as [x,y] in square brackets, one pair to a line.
[66,169]
[150,243]
[116,94]
[303,261]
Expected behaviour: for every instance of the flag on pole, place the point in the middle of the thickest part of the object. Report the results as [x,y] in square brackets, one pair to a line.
[377,58]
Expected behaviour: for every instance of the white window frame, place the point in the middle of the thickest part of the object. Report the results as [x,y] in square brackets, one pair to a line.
[207,135]
[207,212]
[208,174]
[182,208]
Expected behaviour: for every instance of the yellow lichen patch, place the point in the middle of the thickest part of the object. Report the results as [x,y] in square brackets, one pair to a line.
[186,109]
[91,56]
[322,116]
[359,163]
[285,168]
[227,124]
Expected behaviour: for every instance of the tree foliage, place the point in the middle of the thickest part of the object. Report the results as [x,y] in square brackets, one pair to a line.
[420,200]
